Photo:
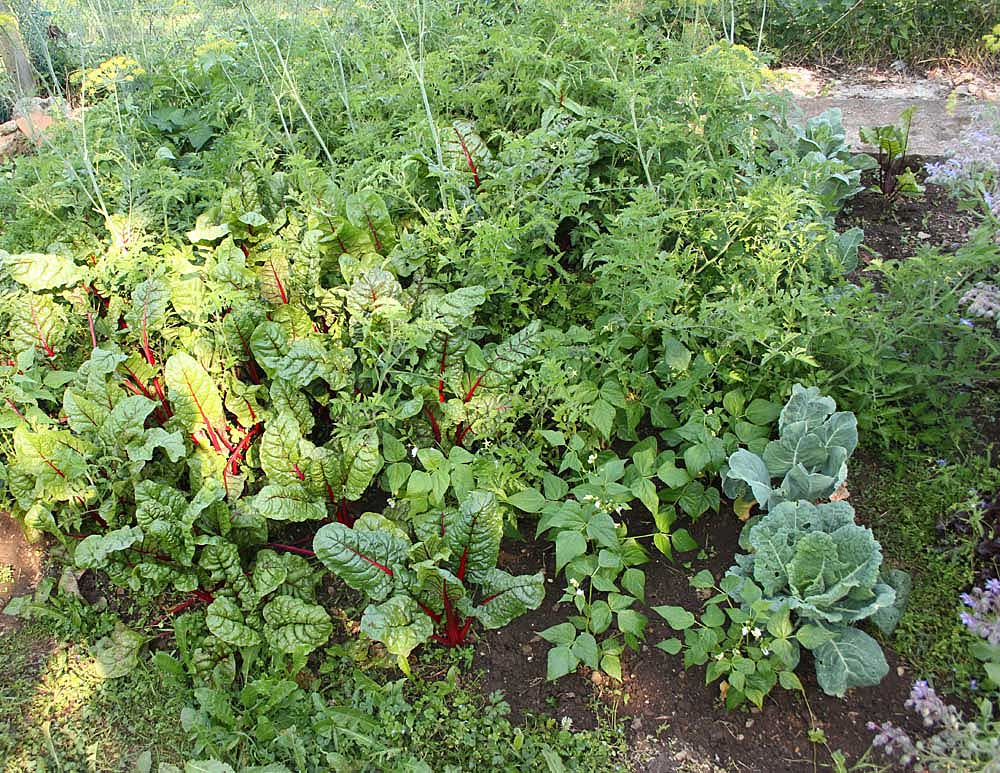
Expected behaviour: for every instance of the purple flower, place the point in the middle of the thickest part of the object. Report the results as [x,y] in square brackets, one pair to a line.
[893,740]
[974,160]
[983,614]
[926,702]
[952,741]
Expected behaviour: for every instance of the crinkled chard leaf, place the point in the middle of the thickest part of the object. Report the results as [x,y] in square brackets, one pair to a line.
[295,627]
[225,620]
[398,623]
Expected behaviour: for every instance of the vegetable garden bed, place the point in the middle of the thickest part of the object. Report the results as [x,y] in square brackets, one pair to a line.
[530,356]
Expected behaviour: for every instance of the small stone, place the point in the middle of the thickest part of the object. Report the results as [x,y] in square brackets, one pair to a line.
[637,724]
[597,678]
[923,235]
[749,724]
[900,671]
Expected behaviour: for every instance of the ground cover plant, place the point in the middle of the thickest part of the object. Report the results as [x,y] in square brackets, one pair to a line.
[293,367]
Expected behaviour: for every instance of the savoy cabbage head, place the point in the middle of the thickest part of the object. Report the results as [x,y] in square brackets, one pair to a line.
[818,562]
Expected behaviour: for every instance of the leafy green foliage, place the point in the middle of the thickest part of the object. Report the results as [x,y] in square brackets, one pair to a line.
[397,319]
[433,582]
[906,330]
[894,177]
[822,149]
[59,705]
[358,722]
[809,457]
[748,644]
[878,32]
[810,573]
[827,570]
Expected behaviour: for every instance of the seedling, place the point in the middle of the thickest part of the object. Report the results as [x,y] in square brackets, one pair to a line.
[895,178]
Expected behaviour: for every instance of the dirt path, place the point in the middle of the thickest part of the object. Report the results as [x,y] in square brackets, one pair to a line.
[946,103]
[20,567]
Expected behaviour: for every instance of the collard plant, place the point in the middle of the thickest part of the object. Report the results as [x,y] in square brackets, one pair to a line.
[821,152]
[827,570]
[808,461]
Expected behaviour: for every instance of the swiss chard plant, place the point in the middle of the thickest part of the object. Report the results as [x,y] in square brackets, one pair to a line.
[891,142]
[430,578]
[170,423]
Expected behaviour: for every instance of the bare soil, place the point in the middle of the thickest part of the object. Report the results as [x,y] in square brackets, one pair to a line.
[671,715]
[20,567]
[897,229]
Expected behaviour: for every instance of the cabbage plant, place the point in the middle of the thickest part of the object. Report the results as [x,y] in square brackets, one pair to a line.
[808,461]
[824,567]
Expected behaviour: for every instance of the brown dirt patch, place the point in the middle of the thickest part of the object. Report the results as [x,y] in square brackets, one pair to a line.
[20,567]
[670,711]
[896,230]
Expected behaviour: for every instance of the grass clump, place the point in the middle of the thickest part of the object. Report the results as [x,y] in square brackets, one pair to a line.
[57,712]
[910,502]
